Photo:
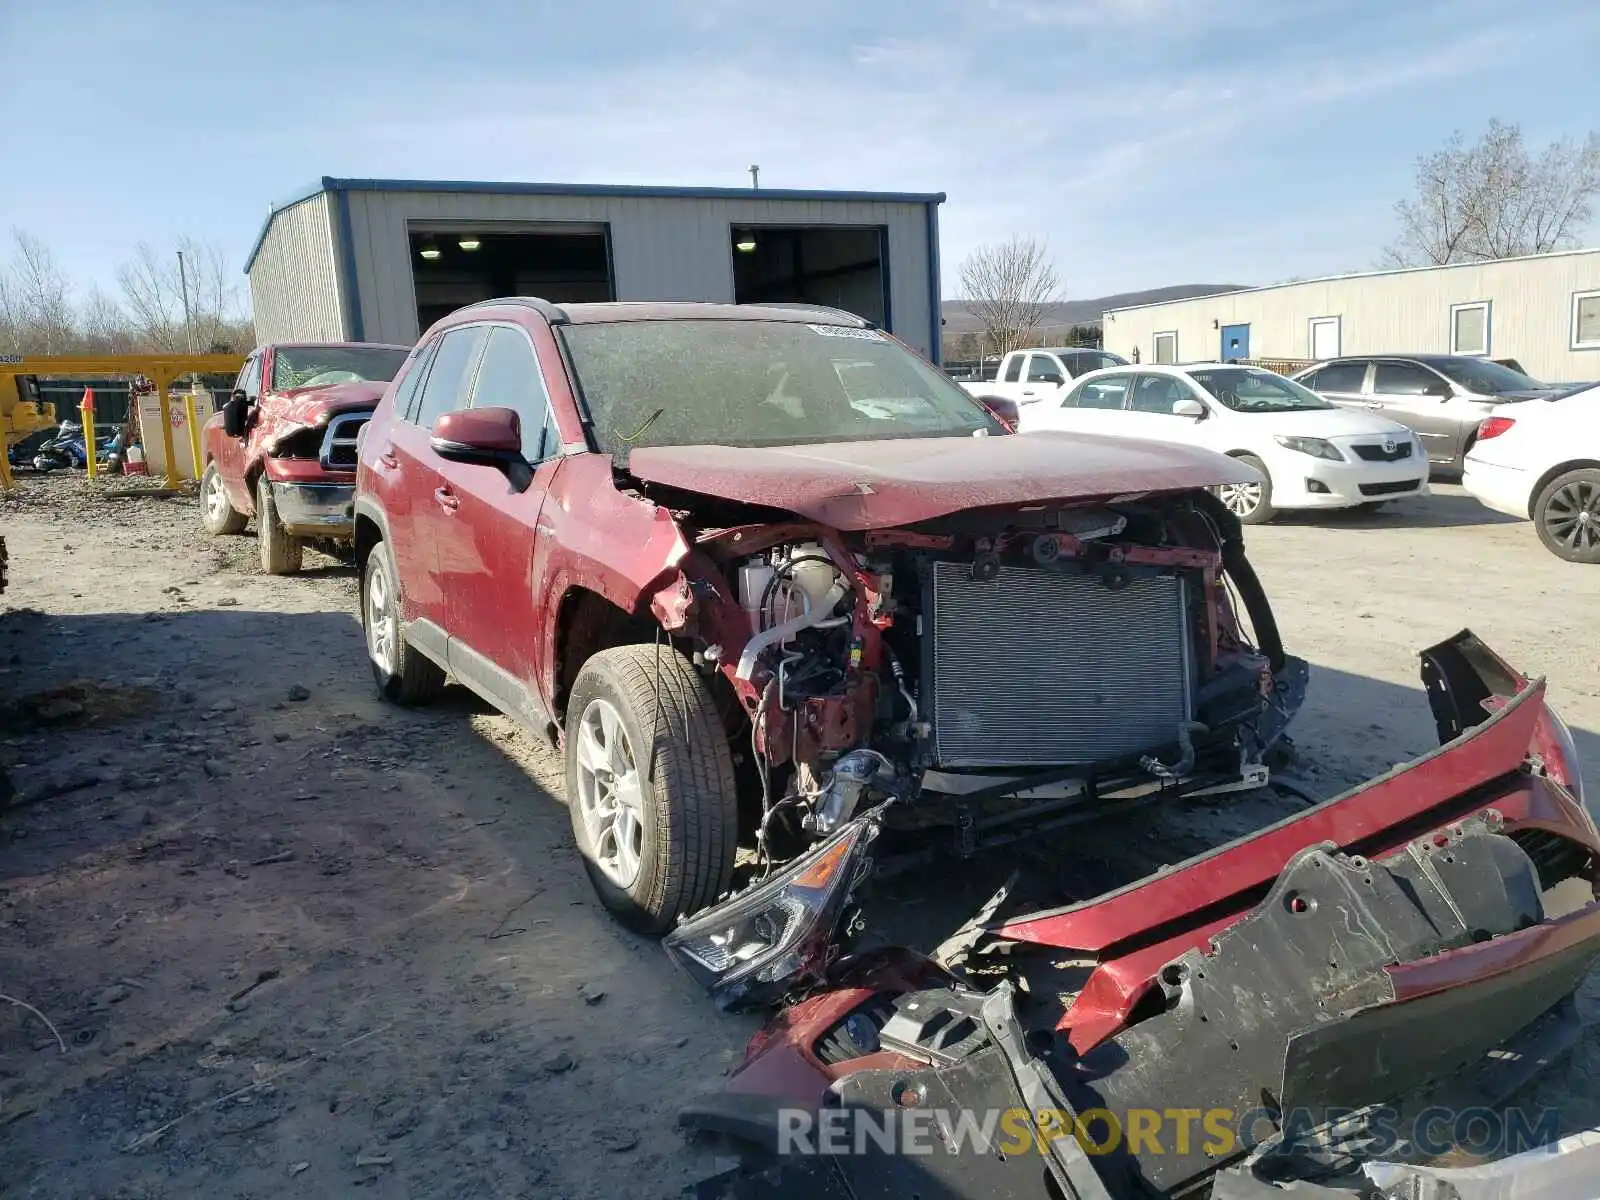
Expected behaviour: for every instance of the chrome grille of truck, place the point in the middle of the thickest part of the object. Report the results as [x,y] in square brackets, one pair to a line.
[1044,668]
[339,443]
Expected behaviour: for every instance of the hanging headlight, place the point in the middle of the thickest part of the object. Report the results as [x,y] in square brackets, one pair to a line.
[750,949]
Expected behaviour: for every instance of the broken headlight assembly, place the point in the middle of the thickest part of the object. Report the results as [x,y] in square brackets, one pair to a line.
[752,948]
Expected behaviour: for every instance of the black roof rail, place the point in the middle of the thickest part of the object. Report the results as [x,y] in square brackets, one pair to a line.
[849,318]
[553,313]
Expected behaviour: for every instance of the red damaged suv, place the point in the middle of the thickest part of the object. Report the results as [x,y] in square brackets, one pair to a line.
[796,607]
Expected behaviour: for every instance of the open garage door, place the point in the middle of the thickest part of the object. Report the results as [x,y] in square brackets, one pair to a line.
[841,267]
[458,264]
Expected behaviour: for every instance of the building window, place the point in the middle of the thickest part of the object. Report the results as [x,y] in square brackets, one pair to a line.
[1167,347]
[1586,321]
[1469,328]
[1323,336]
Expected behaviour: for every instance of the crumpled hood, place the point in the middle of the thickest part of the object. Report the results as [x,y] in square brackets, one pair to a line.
[313,405]
[877,484]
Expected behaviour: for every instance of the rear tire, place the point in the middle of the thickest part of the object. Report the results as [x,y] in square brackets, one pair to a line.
[403,676]
[217,513]
[1567,516]
[1250,502]
[281,552]
[657,845]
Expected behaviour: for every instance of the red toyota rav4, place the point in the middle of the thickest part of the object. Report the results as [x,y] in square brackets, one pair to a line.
[801,613]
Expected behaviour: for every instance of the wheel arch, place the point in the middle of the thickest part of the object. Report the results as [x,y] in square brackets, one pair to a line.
[1554,473]
[587,622]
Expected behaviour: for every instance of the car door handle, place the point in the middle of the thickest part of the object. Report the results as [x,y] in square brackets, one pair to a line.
[447,499]
[1027,391]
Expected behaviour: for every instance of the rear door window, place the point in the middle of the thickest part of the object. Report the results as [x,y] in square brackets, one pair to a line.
[1345,378]
[1014,368]
[450,377]
[405,395]
[509,377]
[1108,392]
[1043,369]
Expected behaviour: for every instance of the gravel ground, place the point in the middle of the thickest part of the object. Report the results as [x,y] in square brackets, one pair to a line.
[298,942]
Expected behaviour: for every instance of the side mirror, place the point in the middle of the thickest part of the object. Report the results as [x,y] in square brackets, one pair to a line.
[490,437]
[234,414]
[1053,380]
[1441,389]
[1189,407]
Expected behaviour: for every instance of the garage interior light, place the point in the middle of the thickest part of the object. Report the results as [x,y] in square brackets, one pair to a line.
[429,252]
[469,243]
[745,243]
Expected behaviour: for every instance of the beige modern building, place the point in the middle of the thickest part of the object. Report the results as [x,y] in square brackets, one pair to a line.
[1542,310]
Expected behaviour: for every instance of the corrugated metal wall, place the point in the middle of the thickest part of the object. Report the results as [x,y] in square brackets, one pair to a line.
[1395,312]
[294,281]
[662,248]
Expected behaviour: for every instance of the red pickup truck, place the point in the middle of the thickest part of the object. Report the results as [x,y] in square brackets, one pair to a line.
[283,449]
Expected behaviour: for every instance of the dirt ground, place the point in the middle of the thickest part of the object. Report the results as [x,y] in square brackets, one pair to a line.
[298,942]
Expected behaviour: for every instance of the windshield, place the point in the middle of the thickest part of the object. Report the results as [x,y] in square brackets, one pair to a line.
[1246,390]
[1481,376]
[1083,363]
[759,383]
[314,366]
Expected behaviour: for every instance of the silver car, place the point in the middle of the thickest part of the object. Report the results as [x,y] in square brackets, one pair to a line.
[1442,398]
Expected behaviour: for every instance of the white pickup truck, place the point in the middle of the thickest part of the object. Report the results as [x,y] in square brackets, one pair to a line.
[1028,376]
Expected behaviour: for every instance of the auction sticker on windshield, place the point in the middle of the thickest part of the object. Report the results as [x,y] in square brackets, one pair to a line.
[846,331]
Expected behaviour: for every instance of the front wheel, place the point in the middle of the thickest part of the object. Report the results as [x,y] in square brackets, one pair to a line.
[281,551]
[1250,502]
[217,513]
[650,786]
[1567,515]
[403,676]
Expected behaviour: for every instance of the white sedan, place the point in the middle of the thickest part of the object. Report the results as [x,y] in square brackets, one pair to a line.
[1540,460]
[1309,453]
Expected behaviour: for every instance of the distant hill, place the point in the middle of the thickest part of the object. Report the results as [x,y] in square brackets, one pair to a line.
[1066,313]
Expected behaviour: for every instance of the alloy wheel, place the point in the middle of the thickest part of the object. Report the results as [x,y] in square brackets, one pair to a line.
[1572,515]
[610,793]
[216,498]
[1241,499]
[381,619]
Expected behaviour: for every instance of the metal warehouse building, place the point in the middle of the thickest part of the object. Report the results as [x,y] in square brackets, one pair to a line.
[1542,310]
[381,259]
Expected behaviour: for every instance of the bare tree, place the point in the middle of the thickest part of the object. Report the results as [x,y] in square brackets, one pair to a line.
[1006,286]
[103,327]
[36,314]
[1495,199]
[153,290]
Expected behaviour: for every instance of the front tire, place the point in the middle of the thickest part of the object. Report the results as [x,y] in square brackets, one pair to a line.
[281,552]
[1250,502]
[217,513]
[1567,515]
[658,844]
[403,676]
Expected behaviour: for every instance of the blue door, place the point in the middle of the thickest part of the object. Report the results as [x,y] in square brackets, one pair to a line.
[1235,342]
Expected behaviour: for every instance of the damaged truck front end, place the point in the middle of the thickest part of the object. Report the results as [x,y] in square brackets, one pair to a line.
[1293,1006]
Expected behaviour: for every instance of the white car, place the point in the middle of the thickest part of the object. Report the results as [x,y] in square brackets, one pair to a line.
[1310,454]
[1540,460]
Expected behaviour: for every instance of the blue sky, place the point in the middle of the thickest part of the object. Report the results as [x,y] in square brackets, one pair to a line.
[1150,141]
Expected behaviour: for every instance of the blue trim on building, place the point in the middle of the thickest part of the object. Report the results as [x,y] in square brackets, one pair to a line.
[349,284]
[647,191]
[935,304]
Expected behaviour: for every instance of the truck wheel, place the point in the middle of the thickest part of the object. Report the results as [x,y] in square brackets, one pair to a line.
[403,676]
[280,551]
[658,844]
[217,514]
[1250,502]
[1567,515]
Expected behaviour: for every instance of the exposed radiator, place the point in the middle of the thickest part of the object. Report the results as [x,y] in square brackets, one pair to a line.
[1046,668]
